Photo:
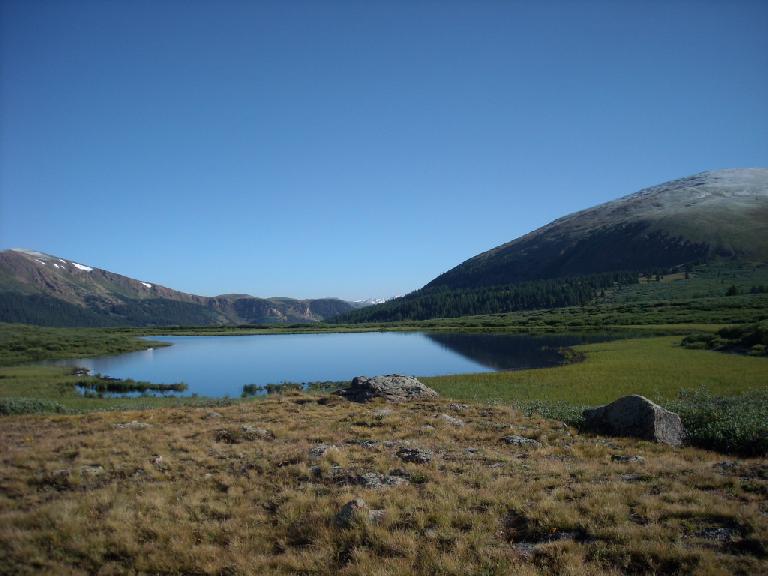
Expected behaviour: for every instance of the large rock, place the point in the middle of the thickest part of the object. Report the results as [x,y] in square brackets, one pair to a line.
[393,388]
[637,417]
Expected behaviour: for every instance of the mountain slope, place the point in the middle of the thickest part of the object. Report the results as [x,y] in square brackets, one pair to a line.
[707,217]
[39,288]
[722,214]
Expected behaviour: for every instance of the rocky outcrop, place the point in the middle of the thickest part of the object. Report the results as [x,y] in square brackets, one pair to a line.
[392,388]
[636,416]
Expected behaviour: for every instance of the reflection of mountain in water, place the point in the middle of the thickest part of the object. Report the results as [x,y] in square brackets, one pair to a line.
[511,351]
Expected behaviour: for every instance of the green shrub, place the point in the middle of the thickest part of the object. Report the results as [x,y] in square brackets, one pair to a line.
[737,424]
[10,406]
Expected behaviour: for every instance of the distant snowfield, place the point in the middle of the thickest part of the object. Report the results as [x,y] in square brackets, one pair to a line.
[82,267]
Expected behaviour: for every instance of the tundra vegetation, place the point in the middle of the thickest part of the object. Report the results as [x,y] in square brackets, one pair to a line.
[95,483]
[256,488]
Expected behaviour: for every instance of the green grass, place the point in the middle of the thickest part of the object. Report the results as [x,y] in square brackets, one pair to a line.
[20,343]
[32,389]
[658,368]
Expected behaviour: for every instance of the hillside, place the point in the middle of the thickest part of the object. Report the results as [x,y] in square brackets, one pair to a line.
[38,288]
[708,216]
[712,217]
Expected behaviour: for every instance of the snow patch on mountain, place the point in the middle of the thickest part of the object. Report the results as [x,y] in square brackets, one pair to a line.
[82,267]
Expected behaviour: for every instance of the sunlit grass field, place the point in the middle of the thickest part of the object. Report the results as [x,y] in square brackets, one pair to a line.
[655,367]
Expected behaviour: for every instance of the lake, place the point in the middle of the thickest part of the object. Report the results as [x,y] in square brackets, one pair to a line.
[219,366]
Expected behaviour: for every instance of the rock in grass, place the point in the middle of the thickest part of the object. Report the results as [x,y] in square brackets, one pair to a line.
[358,510]
[254,433]
[392,388]
[133,425]
[452,420]
[415,455]
[627,459]
[637,417]
[320,450]
[515,440]
[377,481]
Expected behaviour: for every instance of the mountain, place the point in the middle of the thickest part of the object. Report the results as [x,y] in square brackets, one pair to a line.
[721,214]
[711,216]
[38,288]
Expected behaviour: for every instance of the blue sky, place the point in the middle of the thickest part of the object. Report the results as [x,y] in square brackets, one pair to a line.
[351,148]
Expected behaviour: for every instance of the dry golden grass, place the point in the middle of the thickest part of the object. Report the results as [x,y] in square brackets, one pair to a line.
[79,495]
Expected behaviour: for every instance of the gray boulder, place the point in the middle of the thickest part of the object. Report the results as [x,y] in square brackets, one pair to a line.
[636,416]
[392,388]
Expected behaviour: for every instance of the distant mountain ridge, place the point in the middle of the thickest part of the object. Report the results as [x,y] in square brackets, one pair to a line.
[711,216]
[39,288]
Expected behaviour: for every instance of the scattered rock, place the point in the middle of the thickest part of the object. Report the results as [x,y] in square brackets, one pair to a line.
[320,450]
[227,436]
[636,416]
[718,534]
[625,459]
[376,516]
[427,428]
[133,425]
[633,477]
[452,420]
[352,510]
[366,443]
[382,412]
[471,450]
[392,388]
[211,415]
[457,407]
[253,433]
[377,481]
[92,470]
[727,466]
[515,440]
[415,455]
[400,473]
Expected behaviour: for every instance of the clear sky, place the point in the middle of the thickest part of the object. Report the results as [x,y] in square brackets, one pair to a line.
[354,148]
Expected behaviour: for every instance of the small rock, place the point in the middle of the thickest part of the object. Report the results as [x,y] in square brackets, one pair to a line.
[356,508]
[427,428]
[718,534]
[226,436]
[382,412]
[400,473]
[632,477]
[458,407]
[415,455]
[452,420]
[133,425]
[211,415]
[376,516]
[728,466]
[471,450]
[320,450]
[253,433]
[377,481]
[636,416]
[92,470]
[625,459]
[515,440]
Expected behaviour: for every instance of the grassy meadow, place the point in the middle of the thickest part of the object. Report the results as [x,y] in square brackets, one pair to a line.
[255,488]
[94,484]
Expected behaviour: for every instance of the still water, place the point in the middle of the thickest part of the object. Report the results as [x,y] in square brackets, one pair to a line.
[220,365]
